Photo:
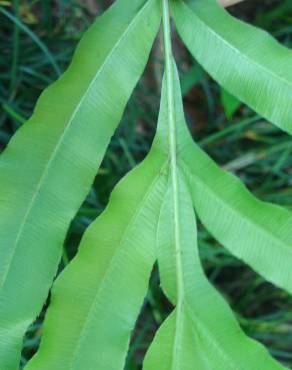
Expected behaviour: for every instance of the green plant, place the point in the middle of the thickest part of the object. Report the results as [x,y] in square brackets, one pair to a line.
[97,298]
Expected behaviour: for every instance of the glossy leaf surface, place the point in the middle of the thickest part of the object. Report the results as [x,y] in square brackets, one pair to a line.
[49,165]
[151,216]
[97,298]
[257,232]
[109,275]
[249,63]
[201,333]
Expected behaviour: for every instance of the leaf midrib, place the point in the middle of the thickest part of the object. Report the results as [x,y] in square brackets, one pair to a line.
[61,140]
[174,176]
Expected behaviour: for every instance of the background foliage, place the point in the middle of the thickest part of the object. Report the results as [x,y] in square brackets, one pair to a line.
[37,41]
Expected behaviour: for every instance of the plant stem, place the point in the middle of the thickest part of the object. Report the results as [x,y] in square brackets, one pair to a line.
[174,173]
[172,136]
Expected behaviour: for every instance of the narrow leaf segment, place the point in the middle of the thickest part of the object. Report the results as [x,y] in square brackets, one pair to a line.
[249,62]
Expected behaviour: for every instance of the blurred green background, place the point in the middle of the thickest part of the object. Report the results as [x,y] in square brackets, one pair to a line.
[37,40]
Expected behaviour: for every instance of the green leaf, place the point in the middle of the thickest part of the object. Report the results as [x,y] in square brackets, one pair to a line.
[167,351]
[202,332]
[48,167]
[191,78]
[257,232]
[230,103]
[246,61]
[97,298]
